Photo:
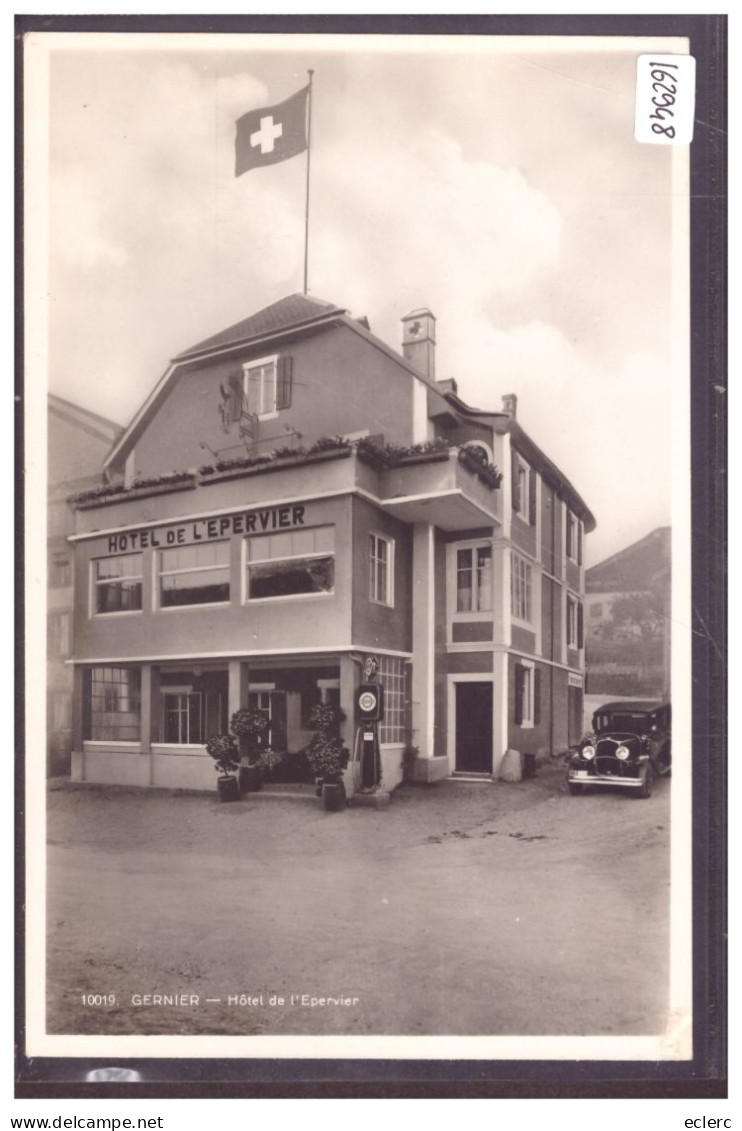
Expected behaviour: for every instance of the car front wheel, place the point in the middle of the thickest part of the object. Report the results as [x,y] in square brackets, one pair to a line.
[647,778]
[575,789]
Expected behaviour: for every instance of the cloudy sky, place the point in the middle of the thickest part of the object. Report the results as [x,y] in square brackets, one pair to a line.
[497,182]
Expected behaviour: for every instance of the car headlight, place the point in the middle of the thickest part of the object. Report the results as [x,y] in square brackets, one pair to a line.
[588,752]
[622,752]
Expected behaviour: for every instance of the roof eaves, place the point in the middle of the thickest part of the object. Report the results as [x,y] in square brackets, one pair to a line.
[467,410]
[139,417]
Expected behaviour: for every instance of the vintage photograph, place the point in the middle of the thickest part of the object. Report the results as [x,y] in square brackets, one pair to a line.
[359,564]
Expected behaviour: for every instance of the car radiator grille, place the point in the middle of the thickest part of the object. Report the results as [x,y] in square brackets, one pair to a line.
[606,761]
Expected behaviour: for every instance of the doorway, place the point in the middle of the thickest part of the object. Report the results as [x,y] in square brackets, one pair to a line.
[473,727]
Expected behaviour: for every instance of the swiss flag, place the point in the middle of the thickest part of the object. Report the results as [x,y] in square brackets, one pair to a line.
[273,134]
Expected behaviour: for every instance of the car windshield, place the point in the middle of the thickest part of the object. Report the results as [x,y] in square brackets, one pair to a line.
[632,721]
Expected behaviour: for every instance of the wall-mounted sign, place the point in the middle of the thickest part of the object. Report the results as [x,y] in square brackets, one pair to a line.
[262,521]
[574,680]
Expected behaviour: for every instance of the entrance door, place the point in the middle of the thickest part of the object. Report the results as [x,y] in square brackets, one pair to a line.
[474,728]
[273,703]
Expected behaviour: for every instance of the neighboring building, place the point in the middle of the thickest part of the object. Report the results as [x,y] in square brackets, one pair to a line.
[78,442]
[628,619]
[207,581]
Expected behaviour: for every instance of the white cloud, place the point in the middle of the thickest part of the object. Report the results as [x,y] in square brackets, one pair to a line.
[79,229]
[418,212]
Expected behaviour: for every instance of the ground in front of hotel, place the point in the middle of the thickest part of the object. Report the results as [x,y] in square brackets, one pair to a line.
[462,908]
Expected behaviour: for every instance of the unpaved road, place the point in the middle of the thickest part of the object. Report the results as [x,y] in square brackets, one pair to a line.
[462,909]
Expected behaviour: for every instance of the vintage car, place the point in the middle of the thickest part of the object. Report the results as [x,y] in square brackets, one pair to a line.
[628,748]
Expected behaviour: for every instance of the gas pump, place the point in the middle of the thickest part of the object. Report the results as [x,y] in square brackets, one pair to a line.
[370,708]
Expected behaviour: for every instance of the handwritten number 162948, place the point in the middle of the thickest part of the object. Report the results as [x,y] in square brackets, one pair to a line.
[664,85]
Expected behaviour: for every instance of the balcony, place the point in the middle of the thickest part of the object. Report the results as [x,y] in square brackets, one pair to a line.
[439,489]
[432,487]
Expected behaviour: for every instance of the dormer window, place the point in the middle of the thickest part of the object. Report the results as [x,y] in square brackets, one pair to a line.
[523,490]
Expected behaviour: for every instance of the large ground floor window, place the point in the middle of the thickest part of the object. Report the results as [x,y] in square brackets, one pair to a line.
[393,676]
[113,704]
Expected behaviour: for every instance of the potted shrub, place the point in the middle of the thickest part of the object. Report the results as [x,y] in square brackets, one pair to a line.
[223,749]
[250,726]
[327,756]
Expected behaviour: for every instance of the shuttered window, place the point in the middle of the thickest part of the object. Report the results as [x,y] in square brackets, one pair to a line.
[523,489]
[574,539]
[260,388]
[575,629]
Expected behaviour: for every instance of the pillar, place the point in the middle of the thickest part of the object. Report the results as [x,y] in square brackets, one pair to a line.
[238,681]
[149,731]
[423,637]
[349,680]
[499,708]
[78,724]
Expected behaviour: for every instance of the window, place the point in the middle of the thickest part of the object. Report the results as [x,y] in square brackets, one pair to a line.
[294,563]
[527,694]
[114,703]
[194,575]
[520,588]
[193,706]
[117,584]
[574,539]
[260,387]
[523,493]
[574,622]
[60,573]
[59,634]
[382,569]
[183,717]
[474,579]
[393,674]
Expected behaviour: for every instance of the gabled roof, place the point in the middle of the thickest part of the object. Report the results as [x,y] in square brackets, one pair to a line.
[288,313]
[289,316]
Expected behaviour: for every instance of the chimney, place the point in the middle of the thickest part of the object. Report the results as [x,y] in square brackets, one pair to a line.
[510,404]
[418,341]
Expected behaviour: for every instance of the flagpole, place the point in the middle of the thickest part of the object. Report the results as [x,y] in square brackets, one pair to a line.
[306,212]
